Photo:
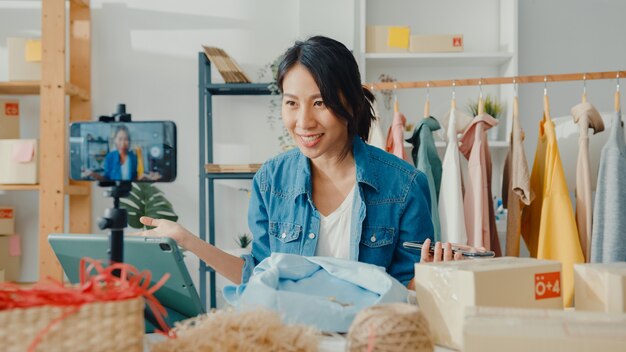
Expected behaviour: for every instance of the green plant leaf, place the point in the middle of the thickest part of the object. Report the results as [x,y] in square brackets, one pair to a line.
[146,199]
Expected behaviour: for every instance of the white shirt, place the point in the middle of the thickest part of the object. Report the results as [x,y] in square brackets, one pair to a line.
[334,237]
[126,171]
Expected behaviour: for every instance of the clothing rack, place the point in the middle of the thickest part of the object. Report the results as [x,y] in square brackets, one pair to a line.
[582,76]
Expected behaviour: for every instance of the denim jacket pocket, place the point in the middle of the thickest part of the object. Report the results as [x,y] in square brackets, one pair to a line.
[284,237]
[377,236]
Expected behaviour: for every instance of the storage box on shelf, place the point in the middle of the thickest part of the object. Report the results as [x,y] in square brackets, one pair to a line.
[210,172]
[53,87]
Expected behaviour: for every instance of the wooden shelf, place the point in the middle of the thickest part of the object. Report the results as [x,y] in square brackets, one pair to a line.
[231,168]
[73,190]
[442,59]
[19,187]
[34,88]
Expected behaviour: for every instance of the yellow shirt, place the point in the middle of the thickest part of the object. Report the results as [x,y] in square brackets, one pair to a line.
[548,224]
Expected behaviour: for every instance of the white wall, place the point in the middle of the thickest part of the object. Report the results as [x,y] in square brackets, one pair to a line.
[567,36]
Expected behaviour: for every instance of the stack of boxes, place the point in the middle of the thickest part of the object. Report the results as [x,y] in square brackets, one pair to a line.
[18,157]
[515,304]
[398,39]
[10,246]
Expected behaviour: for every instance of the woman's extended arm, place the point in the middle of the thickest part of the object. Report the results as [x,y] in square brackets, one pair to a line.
[223,263]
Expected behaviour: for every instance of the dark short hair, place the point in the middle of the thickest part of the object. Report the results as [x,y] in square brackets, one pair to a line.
[336,74]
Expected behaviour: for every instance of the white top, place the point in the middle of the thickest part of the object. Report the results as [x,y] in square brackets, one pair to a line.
[334,237]
[451,213]
[126,172]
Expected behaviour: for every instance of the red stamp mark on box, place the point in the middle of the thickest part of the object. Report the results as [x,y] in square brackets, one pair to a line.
[12,109]
[457,41]
[6,213]
[547,285]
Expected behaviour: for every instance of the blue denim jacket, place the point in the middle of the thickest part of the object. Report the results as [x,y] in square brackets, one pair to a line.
[392,205]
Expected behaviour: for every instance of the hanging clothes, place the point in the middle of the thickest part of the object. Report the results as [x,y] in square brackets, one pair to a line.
[480,221]
[586,116]
[548,224]
[608,243]
[451,213]
[376,137]
[395,137]
[426,159]
[516,192]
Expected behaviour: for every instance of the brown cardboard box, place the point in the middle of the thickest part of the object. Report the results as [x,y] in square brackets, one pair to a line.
[488,329]
[9,261]
[436,43]
[9,119]
[387,39]
[1,275]
[24,59]
[7,220]
[445,289]
[600,287]
[18,161]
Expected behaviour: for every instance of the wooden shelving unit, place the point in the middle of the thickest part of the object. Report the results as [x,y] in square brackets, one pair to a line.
[53,89]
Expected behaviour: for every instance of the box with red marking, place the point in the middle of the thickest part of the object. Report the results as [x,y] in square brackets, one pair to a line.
[9,119]
[7,220]
[445,290]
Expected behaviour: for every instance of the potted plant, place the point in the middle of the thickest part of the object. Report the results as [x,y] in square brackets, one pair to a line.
[244,244]
[146,199]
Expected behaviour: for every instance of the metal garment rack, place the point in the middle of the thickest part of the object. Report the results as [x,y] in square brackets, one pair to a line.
[207,175]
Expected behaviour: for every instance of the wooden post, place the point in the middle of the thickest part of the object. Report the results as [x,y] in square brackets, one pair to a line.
[52,126]
[80,110]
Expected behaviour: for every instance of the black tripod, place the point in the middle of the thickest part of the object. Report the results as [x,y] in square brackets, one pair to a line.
[116,218]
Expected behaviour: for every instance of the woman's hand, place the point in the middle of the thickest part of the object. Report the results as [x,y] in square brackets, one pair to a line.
[443,253]
[165,228]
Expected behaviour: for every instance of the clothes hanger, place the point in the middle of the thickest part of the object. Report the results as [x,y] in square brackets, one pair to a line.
[546,101]
[584,99]
[481,103]
[427,104]
[617,97]
[395,99]
[453,101]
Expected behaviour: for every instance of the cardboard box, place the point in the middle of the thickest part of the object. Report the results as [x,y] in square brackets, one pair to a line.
[18,161]
[1,275]
[387,39]
[488,329]
[9,119]
[7,220]
[10,257]
[600,287]
[445,289]
[24,59]
[436,43]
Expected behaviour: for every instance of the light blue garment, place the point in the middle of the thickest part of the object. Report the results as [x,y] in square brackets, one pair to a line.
[391,205]
[608,243]
[323,292]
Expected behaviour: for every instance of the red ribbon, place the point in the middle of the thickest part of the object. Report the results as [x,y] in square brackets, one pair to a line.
[101,286]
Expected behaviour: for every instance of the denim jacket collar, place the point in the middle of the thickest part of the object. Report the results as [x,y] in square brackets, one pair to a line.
[364,174]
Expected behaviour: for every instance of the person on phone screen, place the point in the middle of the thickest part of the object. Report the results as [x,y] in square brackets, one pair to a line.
[333,195]
[122,163]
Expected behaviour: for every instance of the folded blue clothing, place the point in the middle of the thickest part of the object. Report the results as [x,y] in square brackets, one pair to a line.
[324,292]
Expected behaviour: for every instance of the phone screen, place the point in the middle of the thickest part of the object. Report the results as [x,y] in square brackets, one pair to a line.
[142,151]
[466,251]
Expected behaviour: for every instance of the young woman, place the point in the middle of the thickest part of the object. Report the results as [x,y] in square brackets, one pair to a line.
[333,195]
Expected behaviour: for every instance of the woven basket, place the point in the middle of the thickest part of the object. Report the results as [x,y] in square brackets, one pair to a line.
[101,326]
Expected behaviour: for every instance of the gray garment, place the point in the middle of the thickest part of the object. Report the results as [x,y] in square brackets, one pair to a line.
[608,243]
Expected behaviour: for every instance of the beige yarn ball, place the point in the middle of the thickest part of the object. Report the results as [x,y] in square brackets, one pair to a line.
[392,327]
